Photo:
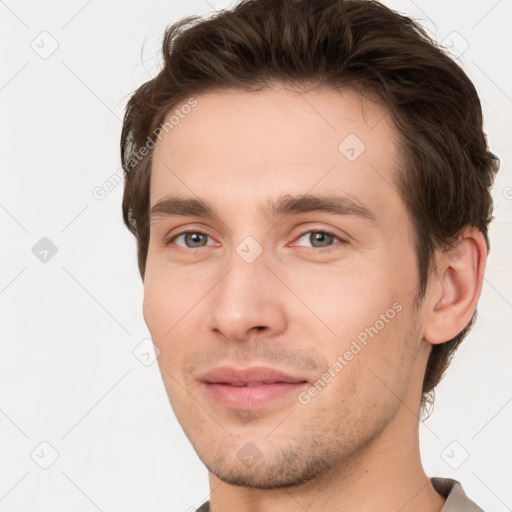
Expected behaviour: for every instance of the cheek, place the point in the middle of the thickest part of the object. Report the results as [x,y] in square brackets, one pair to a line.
[163,307]
[156,307]
[168,298]
[346,301]
[162,314]
[173,312]
[374,380]
[369,330]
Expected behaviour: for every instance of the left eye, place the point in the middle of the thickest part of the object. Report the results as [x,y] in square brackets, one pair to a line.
[319,239]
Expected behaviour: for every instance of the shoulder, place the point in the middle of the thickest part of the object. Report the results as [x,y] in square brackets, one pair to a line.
[456,499]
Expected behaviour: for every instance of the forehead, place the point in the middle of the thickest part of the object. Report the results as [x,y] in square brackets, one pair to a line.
[235,145]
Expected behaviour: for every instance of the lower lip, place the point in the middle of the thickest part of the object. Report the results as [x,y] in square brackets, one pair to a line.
[251,397]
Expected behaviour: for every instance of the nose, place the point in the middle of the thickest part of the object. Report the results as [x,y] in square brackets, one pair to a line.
[247,300]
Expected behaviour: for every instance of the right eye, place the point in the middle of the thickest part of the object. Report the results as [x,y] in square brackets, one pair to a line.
[189,239]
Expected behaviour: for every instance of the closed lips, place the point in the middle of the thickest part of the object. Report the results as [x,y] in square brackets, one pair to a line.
[254,376]
[256,387]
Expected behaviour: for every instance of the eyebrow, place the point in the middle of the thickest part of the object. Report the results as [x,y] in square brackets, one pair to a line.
[284,205]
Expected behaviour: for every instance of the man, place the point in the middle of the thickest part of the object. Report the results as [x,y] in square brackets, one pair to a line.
[309,185]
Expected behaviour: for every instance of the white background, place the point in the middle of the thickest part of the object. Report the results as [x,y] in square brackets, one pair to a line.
[68,374]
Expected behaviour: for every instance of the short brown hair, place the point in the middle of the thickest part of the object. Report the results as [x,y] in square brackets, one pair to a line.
[446,170]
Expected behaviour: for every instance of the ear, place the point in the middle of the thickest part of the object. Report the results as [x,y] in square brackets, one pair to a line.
[456,285]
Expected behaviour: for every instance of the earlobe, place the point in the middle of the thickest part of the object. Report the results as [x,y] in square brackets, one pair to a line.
[456,287]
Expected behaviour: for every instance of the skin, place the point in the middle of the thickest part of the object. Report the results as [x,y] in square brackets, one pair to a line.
[299,304]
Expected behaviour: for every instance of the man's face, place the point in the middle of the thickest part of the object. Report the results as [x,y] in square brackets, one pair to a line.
[313,308]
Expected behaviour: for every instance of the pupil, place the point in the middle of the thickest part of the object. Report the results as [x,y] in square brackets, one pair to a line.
[195,238]
[323,238]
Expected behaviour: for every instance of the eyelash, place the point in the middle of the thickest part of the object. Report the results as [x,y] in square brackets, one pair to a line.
[170,240]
